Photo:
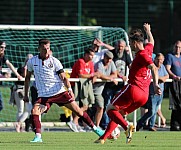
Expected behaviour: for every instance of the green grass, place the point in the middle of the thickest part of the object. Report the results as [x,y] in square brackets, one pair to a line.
[144,140]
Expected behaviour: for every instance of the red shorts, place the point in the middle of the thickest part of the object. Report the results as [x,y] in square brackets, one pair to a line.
[59,99]
[129,98]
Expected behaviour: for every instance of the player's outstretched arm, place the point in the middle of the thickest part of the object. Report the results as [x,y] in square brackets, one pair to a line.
[154,72]
[147,29]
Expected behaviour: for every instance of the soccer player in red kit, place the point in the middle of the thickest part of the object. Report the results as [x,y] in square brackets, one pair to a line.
[135,93]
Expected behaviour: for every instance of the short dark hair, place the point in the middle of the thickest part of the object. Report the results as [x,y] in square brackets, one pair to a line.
[136,35]
[88,50]
[1,42]
[43,41]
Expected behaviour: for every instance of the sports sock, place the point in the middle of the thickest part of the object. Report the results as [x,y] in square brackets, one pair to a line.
[111,126]
[36,123]
[87,119]
[115,116]
[38,135]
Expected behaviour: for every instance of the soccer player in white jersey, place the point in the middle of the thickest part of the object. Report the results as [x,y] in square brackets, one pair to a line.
[51,83]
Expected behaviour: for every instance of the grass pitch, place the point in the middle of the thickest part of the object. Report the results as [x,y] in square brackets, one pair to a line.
[143,140]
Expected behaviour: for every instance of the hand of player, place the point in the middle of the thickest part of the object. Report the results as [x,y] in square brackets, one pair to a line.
[157,90]
[147,27]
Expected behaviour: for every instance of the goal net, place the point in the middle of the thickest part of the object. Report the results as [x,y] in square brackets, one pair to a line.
[67,43]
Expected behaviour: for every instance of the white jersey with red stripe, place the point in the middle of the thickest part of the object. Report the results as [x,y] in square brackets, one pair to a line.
[47,80]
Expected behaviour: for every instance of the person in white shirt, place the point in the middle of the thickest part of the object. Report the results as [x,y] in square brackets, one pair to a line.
[99,53]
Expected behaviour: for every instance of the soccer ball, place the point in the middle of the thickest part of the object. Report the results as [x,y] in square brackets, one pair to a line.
[115,134]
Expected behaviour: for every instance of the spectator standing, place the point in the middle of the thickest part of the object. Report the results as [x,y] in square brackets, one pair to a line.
[173,66]
[4,60]
[51,82]
[107,70]
[18,91]
[154,100]
[135,93]
[100,48]
[83,68]
[122,61]
[97,45]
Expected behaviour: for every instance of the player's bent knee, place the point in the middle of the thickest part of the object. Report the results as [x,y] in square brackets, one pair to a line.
[36,110]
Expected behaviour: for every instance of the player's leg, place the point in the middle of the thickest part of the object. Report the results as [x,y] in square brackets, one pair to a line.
[84,116]
[139,98]
[142,121]
[37,110]
[119,102]
[111,126]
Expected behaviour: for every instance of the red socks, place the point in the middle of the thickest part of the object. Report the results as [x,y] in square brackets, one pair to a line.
[36,123]
[87,119]
[115,116]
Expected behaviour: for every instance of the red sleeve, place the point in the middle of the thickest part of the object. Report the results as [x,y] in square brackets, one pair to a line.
[75,68]
[80,69]
[146,55]
[149,48]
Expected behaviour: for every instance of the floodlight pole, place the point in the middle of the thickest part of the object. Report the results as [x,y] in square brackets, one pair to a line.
[126,15]
[31,23]
[79,12]
[31,12]
[171,2]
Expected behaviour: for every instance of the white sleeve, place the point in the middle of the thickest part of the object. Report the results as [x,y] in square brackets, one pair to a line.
[58,64]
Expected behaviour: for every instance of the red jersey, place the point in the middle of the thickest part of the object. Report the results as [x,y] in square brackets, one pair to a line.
[81,67]
[139,74]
